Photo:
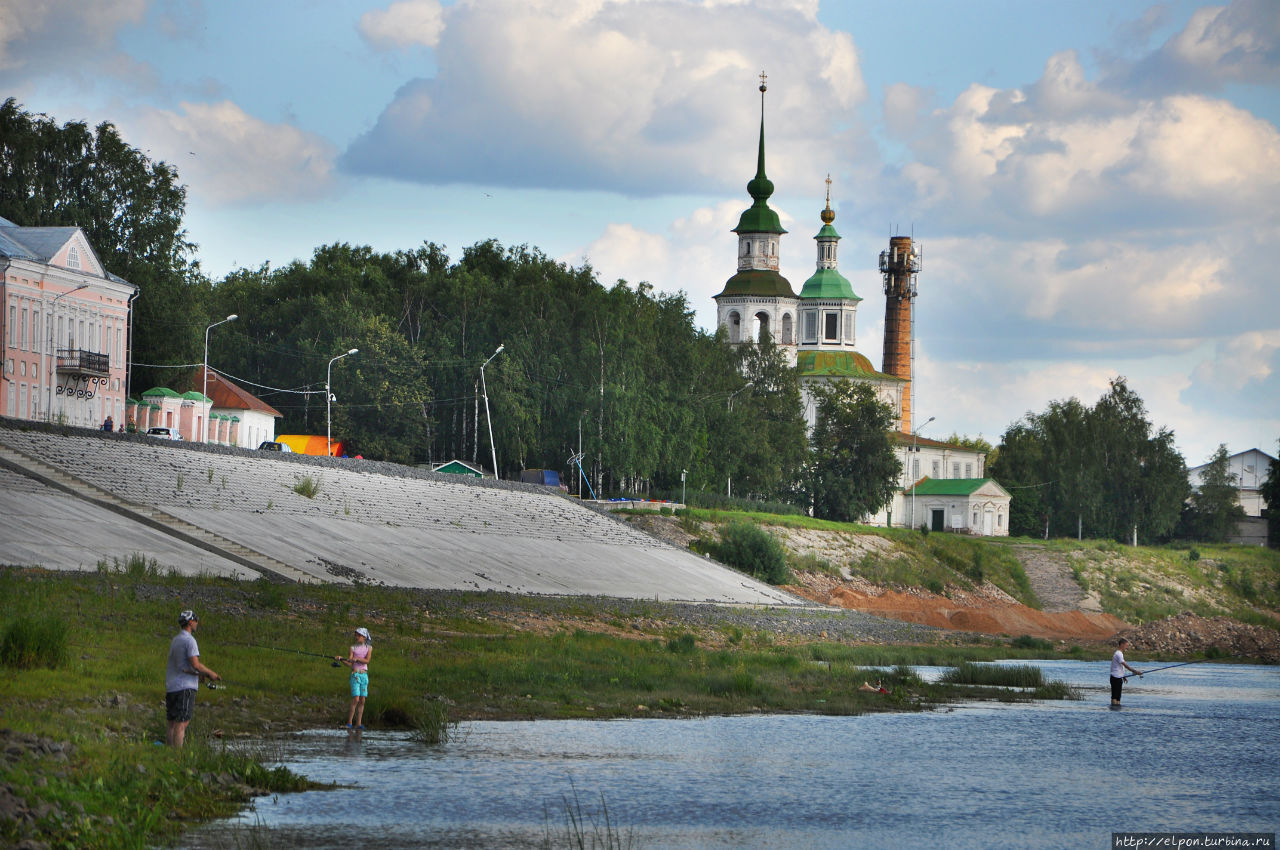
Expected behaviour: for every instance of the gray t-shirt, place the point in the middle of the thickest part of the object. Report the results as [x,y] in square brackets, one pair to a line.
[179,675]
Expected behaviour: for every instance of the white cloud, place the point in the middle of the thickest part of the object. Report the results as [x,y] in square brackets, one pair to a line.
[404,24]
[38,36]
[228,156]
[1239,42]
[619,95]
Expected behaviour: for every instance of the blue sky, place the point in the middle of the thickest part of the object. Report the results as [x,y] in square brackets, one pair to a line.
[1095,185]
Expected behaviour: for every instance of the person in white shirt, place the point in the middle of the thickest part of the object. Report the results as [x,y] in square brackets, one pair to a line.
[1118,666]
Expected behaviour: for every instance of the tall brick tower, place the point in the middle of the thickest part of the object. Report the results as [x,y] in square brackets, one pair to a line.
[900,265]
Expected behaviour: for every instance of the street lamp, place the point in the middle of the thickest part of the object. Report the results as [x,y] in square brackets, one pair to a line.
[328,398]
[915,477]
[748,385]
[683,474]
[204,436]
[53,360]
[492,448]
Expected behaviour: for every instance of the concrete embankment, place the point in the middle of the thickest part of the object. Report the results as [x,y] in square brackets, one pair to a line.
[73,497]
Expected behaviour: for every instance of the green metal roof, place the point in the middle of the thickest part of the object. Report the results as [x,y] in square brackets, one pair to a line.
[838,364]
[161,391]
[758,282]
[828,283]
[827,232]
[947,486]
[759,218]
[197,396]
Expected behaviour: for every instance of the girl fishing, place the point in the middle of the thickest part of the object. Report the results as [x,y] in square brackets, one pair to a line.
[358,661]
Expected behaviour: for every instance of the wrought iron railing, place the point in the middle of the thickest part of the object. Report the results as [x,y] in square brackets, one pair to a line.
[79,362]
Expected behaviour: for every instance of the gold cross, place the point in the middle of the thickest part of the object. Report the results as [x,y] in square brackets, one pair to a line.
[828,190]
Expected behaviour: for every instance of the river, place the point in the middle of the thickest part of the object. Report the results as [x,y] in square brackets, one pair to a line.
[1195,748]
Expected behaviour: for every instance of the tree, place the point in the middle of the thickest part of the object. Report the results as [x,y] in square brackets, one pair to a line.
[1270,492]
[129,207]
[766,424]
[854,470]
[1100,470]
[1214,506]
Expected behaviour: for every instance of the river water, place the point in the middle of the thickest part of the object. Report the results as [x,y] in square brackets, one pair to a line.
[1195,748]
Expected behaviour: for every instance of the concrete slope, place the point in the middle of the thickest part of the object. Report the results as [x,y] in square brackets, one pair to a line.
[370,522]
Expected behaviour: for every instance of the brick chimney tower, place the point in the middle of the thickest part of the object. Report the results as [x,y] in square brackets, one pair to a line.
[900,265]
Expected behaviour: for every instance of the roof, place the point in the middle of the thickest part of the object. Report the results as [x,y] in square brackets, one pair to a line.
[952,486]
[227,395]
[161,391]
[42,244]
[828,283]
[904,439]
[838,364]
[758,282]
[457,467]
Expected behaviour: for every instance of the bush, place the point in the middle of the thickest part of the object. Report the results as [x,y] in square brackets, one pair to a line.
[1029,642]
[1013,676]
[683,644]
[31,642]
[753,550]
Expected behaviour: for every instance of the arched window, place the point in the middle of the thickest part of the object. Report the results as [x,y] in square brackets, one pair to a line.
[787,330]
[735,327]
[762,325]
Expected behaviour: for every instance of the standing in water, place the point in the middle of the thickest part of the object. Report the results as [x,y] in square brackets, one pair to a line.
[1118,666]
[358,661]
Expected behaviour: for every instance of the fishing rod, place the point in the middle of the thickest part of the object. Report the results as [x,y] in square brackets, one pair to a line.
[331,658]
[1167,667]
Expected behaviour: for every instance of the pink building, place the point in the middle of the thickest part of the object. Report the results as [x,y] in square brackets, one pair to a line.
[64,328]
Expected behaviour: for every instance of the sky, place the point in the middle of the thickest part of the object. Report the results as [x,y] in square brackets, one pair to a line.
[1095,185]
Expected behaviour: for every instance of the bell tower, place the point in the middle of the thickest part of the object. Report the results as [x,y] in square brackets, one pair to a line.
[899,265]
[758,299]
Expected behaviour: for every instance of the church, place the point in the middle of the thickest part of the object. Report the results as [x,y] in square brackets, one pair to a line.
[943,484]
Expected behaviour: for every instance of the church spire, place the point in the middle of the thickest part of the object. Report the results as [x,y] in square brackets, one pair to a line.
[759,218]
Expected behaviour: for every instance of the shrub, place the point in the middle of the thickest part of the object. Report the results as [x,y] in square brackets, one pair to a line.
[683,644]
[1193,554]
[1029,642]
[307,486]
[1015,676]
[31,642]
[753,550]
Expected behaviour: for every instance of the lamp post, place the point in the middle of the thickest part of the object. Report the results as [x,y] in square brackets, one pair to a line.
[204,391]
[53,352]
[683,474]
[748,385]
[328,399]
[914,477]
[493,450]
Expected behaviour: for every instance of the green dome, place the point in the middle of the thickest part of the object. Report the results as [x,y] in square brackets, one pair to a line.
[838,364]
[758,282]
[164,392]
[759,218]
[828,283]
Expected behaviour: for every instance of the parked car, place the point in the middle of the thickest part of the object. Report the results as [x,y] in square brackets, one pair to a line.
[164,433]
[273,446]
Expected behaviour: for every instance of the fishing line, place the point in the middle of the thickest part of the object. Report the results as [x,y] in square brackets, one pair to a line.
[330,658]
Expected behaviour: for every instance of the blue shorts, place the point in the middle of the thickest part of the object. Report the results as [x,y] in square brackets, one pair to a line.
[359,684]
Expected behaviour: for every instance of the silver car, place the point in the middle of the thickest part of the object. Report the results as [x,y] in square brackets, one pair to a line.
[164,433]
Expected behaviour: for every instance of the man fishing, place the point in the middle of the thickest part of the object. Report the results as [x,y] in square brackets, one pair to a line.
[182,678]
[1118,666]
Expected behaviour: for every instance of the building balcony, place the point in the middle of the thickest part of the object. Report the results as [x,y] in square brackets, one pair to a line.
[72,361]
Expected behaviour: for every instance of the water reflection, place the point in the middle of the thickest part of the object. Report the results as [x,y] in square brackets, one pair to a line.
[1193,749]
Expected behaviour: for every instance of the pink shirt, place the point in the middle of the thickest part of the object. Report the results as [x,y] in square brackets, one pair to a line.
[360,657]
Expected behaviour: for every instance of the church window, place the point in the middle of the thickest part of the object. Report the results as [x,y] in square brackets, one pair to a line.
[746,247]
[810,326]
[848,327]
[968,470]
[832,326]
[786,330]
[937,472]
[735,327]
[915,469]
[955,470]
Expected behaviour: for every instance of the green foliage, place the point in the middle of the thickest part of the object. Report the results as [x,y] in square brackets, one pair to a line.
[1008,676]
[31,640]
[753,550]
[1101,467]
[307,486]
[684,643]
[854,470]
[1213,509]
[1028,642]
[1270,492]
[431,724]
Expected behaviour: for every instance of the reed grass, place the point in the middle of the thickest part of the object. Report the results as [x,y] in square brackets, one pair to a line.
[1008,676]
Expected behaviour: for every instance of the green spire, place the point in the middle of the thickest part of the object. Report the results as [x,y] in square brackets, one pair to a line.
[759,218]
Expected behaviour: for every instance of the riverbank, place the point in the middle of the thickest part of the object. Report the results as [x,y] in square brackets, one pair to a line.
[86,769]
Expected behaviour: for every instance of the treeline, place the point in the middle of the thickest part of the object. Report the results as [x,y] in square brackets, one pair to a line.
[621,373]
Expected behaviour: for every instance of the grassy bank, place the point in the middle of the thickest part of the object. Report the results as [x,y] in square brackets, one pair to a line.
[102,781]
